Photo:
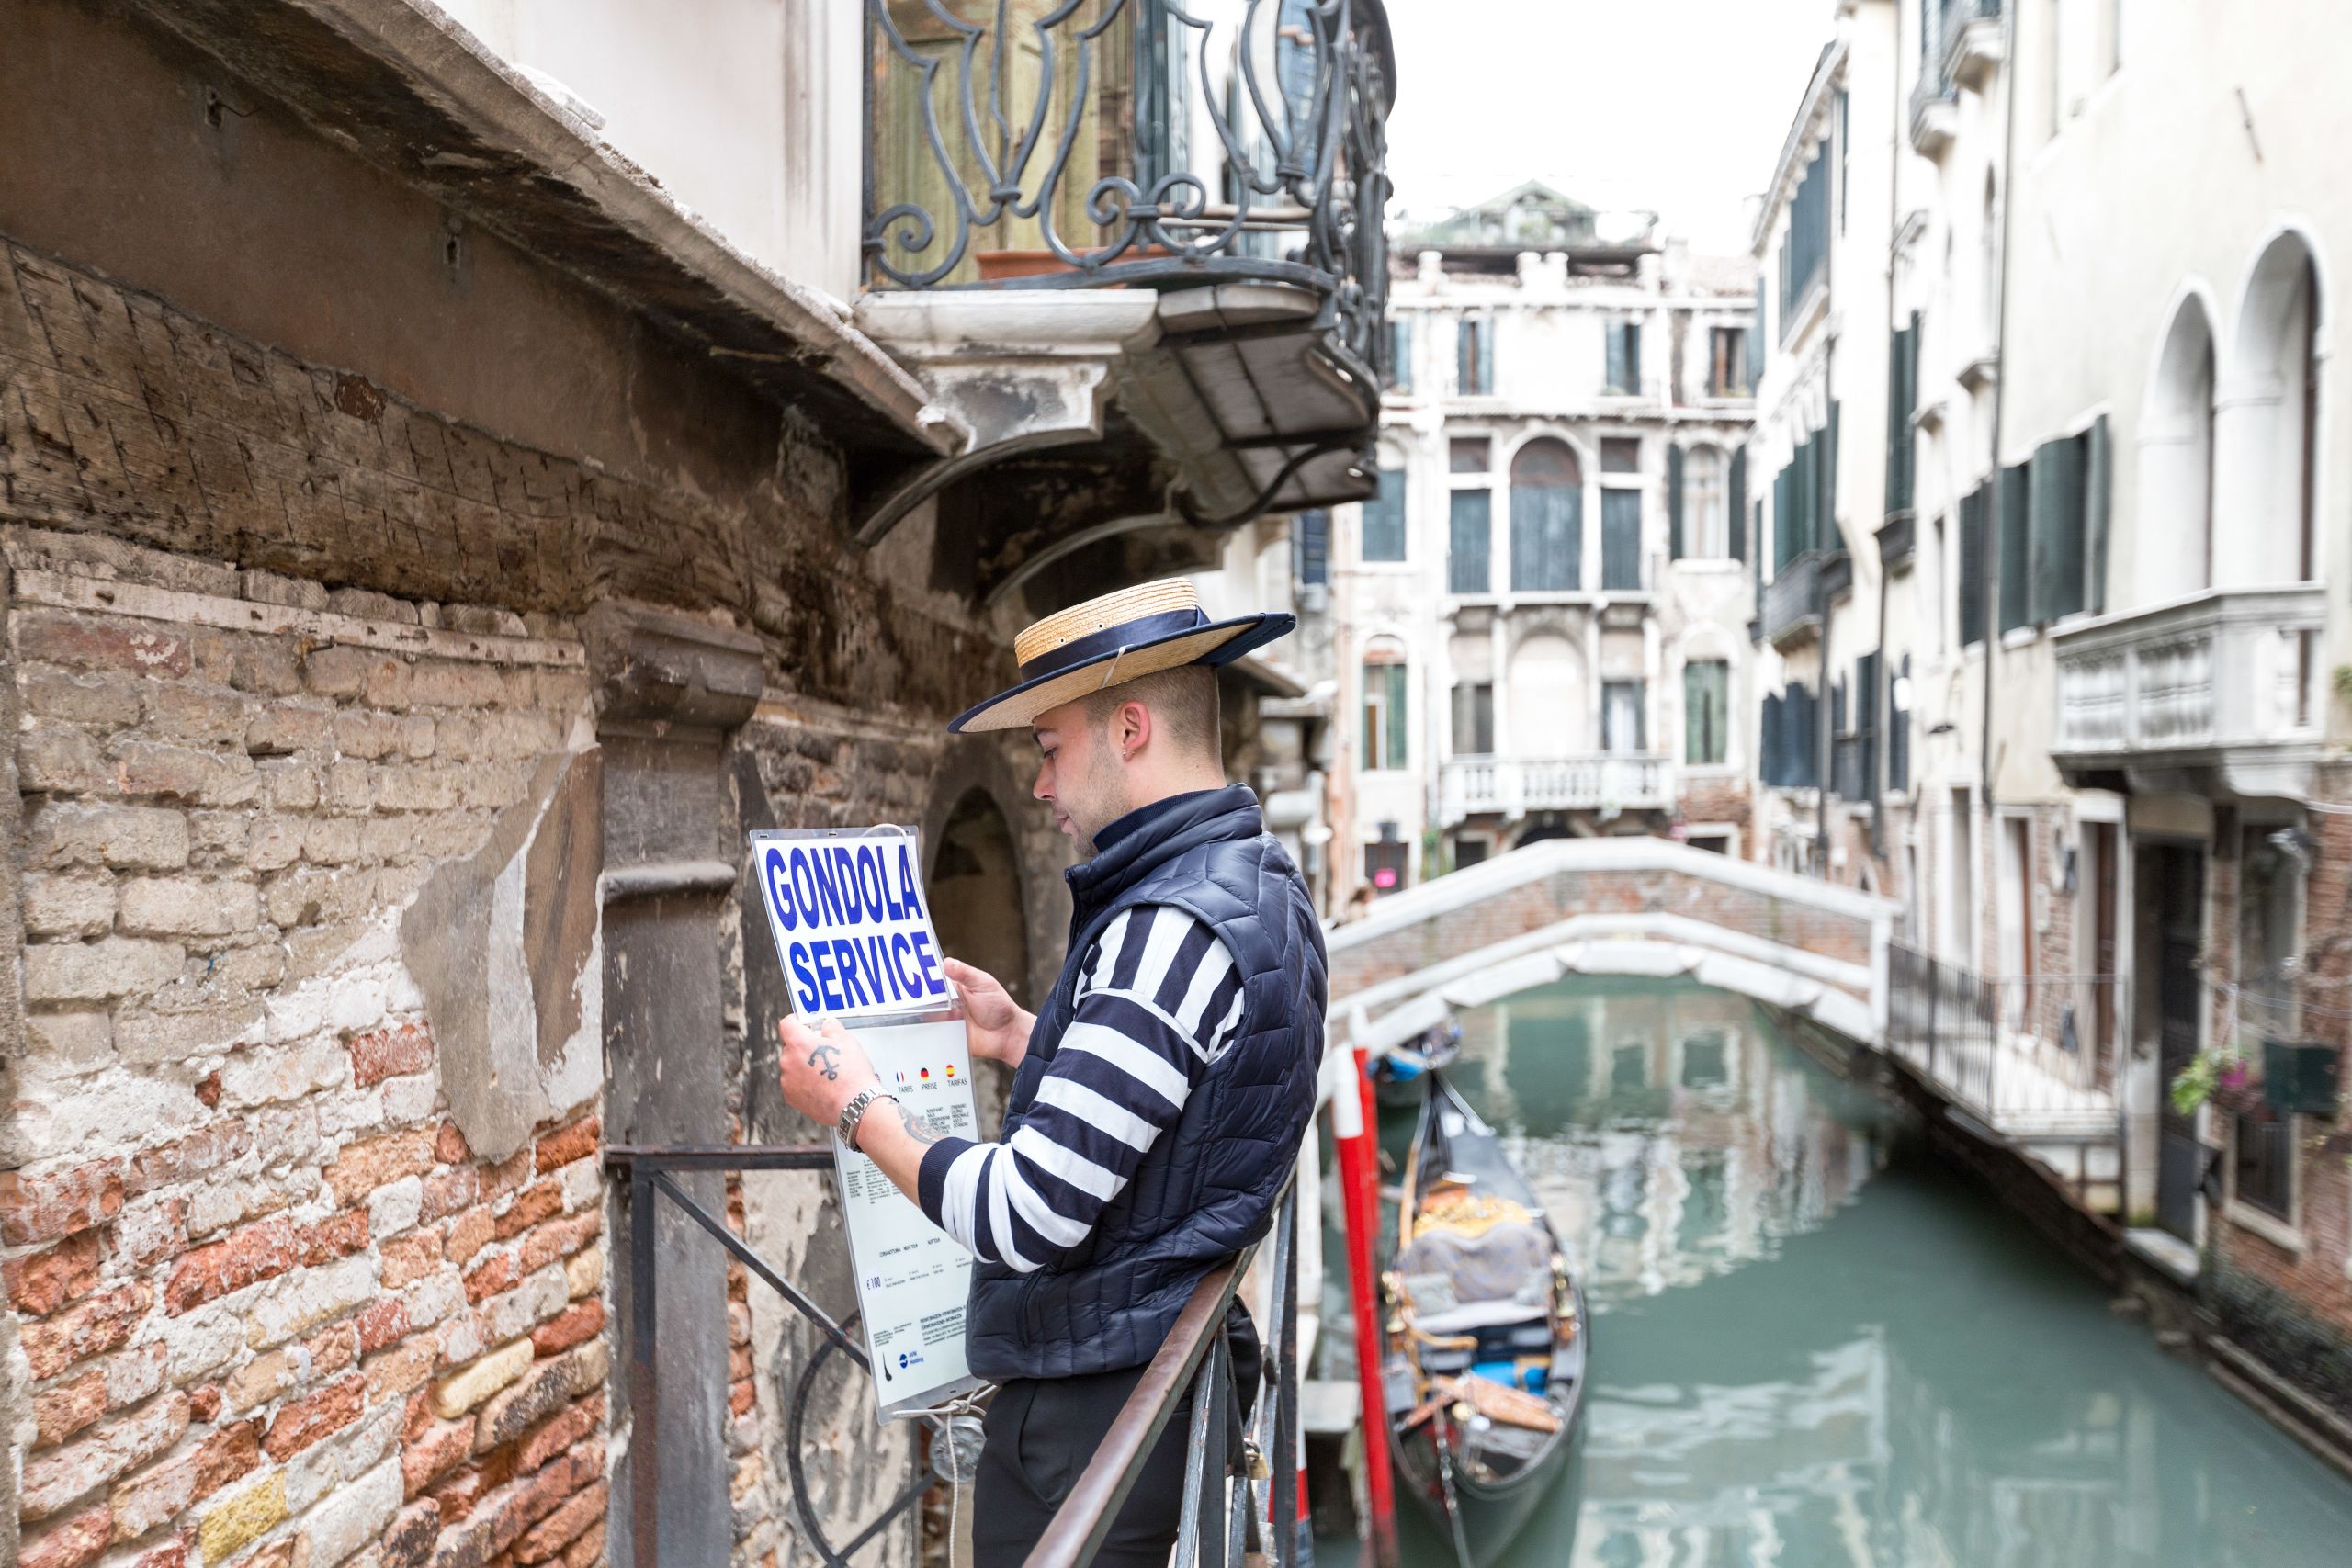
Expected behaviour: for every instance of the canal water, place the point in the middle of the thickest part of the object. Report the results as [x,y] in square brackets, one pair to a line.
[1812,1346]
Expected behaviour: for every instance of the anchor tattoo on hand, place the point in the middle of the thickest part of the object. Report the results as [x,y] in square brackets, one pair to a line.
[826,1059]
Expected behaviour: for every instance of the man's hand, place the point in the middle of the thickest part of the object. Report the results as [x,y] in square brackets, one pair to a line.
[997,1025]
[821,1069]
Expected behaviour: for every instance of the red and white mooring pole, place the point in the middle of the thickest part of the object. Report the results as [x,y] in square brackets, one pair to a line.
[1355,1131]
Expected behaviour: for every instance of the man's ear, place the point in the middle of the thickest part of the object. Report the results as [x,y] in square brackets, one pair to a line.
[1131,729]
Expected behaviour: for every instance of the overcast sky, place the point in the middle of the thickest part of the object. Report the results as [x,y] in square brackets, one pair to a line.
[1678,106]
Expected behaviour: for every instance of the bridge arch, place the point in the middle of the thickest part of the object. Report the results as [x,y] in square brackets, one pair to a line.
[1645,908]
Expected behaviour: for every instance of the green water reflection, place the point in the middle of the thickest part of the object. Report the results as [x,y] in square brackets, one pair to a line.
[1812,1347]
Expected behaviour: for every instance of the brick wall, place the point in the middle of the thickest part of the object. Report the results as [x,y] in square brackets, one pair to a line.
[291,639]
[267,1292]
[2293,1306]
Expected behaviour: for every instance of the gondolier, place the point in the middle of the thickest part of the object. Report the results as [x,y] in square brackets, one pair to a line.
[1161,1093]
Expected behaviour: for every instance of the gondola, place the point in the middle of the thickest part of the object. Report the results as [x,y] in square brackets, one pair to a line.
[1484,1361]
[1400,1075]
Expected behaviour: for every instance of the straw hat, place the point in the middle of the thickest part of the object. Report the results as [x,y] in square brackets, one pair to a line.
[1119,638]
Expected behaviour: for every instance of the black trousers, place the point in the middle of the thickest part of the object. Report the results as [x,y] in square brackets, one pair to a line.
[1042,1433]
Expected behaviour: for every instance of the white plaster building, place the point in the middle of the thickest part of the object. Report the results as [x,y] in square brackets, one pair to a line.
[1818,456]
[1540,620]
[2064,497]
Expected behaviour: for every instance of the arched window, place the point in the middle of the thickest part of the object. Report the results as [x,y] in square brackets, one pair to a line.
[1547,518]
[1386,717]
[2264,435]
[2174,542]
[1706,525]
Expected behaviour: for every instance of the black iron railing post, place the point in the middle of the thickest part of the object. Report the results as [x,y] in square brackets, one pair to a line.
[1283,1489]
[649,1169]
[644,1387]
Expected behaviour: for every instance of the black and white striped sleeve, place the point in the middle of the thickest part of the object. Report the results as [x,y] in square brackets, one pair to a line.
[1159,999]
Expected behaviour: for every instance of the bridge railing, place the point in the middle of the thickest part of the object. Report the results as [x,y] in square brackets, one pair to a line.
[1240,1498]
[2032,1055]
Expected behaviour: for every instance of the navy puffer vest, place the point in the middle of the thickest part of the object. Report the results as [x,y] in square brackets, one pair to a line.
[1207,1187]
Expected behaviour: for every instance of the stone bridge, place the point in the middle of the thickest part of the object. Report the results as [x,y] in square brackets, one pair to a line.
[1629,907]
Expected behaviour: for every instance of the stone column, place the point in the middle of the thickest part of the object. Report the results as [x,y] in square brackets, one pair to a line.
[669,691]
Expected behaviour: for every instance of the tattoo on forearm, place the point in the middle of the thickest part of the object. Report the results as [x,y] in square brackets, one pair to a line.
[917,1128]
[826,1059]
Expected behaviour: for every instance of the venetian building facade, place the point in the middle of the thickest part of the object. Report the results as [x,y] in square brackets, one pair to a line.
[1541,617]
[2172,403]
[2053,507]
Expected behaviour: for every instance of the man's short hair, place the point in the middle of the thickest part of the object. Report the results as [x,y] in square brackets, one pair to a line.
[1182,703]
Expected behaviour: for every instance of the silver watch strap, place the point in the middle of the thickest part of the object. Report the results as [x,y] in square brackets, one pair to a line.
[853,1113]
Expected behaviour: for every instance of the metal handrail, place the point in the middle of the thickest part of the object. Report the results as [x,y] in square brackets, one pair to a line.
[1220,1510]
[649,1169]
[1221,1515]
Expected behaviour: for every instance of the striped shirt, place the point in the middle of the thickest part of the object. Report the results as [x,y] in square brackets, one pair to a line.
[1159,999]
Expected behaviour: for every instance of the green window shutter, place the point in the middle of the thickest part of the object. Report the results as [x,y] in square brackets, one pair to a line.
[1971,567]
[1825,534]
[1546,536]
[2010,522]
[1738,492]
[1471,527]
[2054,527]
[1621,540]
[1902,404]
[2098,467]
[1674,502]
[1784,514]
[1384,519]
[1396,724]
[1897,431]
[1706,711]
[1808,483]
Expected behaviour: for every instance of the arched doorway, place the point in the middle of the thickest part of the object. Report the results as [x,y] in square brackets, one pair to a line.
[975,893]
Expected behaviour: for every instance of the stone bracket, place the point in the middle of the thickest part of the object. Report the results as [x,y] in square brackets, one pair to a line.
[658,667]
[1015,371]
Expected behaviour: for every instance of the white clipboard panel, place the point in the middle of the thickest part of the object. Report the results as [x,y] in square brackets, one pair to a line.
[851,925]
[914,1279]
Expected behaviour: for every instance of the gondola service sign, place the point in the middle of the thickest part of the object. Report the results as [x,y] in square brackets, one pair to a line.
[853,933]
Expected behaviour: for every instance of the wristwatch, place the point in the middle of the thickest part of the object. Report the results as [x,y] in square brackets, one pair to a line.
[855,1113]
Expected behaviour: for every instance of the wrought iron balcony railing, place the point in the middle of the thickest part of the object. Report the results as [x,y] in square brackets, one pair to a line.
[1078,143]
[1793,599]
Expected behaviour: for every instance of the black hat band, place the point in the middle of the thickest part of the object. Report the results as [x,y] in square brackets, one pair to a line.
[1111,640]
